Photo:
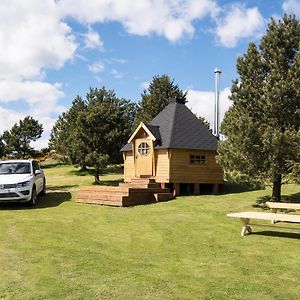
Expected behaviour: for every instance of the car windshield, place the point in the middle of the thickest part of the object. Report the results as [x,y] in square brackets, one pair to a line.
[14,168]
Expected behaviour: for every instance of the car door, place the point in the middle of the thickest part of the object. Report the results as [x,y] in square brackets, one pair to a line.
[39,178]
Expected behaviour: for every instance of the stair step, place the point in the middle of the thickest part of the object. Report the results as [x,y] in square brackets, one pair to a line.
[143,180]
[131,201]
[111,197]
[163,196]
[147,190]
[101,202]
[99,193]
[104,188]
[142,191]
[139,184]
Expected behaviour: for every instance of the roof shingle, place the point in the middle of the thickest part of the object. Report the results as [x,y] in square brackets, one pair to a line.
[178,128]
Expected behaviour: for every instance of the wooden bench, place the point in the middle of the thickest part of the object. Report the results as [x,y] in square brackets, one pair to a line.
[274,206]
[279,205]
[245,217]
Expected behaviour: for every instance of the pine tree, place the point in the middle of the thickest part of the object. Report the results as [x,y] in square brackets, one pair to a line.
[17,140]
[92,132]
[67,137]
[262,125]
[157,97]
[106,125]
[204,121]
[2,147]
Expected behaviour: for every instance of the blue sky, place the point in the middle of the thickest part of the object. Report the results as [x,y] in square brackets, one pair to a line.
[52,51]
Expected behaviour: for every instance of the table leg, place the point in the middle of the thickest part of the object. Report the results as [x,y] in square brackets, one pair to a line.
[246,227]
[274,210]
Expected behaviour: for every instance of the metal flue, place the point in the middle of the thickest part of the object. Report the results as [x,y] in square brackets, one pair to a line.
[217,100]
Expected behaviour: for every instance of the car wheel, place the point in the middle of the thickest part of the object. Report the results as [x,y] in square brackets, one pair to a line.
[32,201]
[43,191]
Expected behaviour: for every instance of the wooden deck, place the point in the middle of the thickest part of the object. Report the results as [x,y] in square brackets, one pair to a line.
[139,191]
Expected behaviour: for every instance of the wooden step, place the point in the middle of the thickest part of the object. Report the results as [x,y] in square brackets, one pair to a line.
[102,202]
[126,194]
[143,180]
[99,193]
[139,184]
[159,197]
[111,197]
[131,201]
[133,191]
[104,188]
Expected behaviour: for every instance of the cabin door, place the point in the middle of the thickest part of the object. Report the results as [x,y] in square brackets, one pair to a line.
[143,157]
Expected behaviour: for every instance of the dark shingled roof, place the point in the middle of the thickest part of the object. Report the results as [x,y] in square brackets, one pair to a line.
[179,128]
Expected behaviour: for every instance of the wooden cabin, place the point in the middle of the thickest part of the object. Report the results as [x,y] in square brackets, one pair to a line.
[176,150]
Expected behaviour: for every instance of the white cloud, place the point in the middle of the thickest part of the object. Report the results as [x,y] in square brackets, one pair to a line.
[116,61]
[291,7]
[202,103]
[97,67]
[33,38]
[117,74]
[9,117]
[239,22]
[171,19]
[92,40]
[30,91]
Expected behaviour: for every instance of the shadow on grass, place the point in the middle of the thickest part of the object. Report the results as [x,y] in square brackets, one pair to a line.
[61,187]
[51,199]
[108,182]
[261,201]
[289,235]
[234,188]
[113,169]
[49,166]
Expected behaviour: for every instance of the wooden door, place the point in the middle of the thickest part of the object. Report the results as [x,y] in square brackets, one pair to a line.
[143,157]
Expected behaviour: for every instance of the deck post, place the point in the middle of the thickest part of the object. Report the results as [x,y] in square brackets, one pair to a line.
[176,191]
[216,188]
[196,189]
[163,185]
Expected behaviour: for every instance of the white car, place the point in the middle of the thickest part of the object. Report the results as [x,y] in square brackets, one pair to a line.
[21,181]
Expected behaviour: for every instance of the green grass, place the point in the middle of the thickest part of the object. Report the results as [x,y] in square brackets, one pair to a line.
[183,249]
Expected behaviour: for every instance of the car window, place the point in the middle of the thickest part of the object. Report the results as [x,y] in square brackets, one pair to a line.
[35,166]
[15,168]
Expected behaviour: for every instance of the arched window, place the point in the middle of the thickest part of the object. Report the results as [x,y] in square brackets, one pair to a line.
[143,148]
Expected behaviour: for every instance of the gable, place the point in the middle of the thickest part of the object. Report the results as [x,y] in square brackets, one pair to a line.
[142,131]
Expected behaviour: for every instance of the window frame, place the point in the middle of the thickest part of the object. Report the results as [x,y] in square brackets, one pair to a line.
[195,159]
[143,149]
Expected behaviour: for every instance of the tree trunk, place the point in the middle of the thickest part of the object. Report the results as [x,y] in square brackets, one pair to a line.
[83,168]
[276,192]
[97,177]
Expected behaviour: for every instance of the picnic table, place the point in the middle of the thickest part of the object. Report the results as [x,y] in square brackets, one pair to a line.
[245,218]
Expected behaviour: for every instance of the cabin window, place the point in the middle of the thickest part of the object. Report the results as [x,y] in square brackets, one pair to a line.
[143,148]
[197,159]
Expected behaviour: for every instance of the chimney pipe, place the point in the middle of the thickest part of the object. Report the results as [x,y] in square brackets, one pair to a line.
[217,100]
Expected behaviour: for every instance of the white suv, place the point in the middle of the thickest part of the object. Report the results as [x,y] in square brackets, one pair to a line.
[21,181]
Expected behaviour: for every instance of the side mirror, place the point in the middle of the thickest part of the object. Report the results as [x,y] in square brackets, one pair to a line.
[37,172]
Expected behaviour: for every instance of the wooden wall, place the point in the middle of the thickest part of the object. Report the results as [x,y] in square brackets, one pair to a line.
[161,161]
[129,169]
[162,165]
[182,171]
[174,166]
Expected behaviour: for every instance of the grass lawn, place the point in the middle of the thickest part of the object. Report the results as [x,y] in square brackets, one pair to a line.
[183,249]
